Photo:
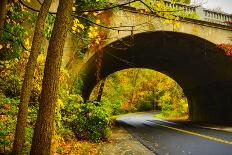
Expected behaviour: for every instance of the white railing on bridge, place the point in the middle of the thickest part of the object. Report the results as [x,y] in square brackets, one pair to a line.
[216,17]
[180,6]
[204,14]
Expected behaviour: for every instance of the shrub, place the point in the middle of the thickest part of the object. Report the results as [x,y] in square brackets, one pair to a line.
[8,115]
[145,106]
[8,112]
[92,122]
[11,86]
[113,108]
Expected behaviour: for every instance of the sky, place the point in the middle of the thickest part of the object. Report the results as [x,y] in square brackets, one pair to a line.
[226,5]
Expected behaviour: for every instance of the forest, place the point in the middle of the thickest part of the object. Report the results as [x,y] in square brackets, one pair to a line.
[41,112]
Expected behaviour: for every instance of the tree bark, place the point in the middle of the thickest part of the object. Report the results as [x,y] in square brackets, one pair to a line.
[28,78]
[101,88]
[3,11]
[41,142]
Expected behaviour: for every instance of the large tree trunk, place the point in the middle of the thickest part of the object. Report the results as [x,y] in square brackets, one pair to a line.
[3,11]
[28,78]
[41,142]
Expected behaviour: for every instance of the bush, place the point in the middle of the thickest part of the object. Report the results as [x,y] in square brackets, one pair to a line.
[113,108]
[67,108]
[8,112]
[145,106]
[11,86]
[8,117]
[92,122]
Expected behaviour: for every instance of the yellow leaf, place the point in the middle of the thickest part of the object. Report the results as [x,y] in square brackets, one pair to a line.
[95,13]
[81,26]
[90,35]
[74,28]
[41,59]
[23,8]
[98,21]
[97,41]
[8,46]
[60,103]
[91,28]
[176,25]
[27,42]
[1,46]
[95,34]
[11,9]
[76,20]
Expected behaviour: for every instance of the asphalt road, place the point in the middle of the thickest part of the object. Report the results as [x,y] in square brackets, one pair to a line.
[176,138]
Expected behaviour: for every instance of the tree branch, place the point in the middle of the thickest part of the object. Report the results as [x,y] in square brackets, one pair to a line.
[15,36]
[108,8]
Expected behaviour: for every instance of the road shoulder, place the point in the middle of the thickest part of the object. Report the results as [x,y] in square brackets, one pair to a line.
[122,143]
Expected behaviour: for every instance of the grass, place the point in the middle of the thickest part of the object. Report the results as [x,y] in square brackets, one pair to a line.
[171,117]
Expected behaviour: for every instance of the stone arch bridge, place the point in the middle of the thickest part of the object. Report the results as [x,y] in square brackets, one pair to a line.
[187,53]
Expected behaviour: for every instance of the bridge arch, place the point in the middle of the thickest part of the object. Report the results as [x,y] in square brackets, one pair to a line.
[202,70]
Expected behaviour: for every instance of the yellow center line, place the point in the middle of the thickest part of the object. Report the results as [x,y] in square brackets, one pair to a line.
[196,134]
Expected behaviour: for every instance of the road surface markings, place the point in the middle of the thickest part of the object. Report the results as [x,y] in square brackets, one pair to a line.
[196,134]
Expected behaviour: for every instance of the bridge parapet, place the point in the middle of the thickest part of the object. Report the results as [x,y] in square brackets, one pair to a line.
[204,14]
[180,6]
[216,17]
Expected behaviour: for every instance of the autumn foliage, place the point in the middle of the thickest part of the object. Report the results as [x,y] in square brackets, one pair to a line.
[227,48]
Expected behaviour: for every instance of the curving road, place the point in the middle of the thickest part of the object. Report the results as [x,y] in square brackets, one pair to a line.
[176,138]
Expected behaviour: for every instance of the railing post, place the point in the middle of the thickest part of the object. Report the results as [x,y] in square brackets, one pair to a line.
[200,12]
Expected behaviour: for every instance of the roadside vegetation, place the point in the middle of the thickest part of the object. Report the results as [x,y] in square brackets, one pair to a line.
[127,91]
[136,90]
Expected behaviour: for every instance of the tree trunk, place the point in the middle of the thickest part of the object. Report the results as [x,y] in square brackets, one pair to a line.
[100,91]
[41,142]
[134,82]
[28,78]
[3,11]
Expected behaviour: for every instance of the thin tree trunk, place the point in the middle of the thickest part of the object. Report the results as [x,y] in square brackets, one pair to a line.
[101,88]
[3,11]
[134,82]
[41,142]
[28,78]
